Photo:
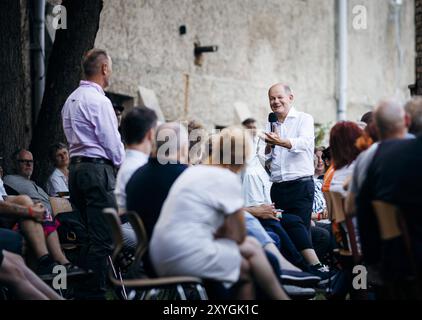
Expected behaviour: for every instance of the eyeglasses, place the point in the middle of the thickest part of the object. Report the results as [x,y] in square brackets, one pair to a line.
[26,161]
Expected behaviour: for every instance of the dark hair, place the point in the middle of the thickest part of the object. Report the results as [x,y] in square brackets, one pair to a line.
[118,107]
[137,123]
[54,148]
[248,122]
[368,118]
[91,62]
[326,154]
[343,138]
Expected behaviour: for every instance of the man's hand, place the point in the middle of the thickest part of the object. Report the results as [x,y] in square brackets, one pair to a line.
[38,212]
[264,211]
[273,138]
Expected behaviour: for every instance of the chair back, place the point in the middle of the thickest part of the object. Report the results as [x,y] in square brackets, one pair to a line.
[392,224]
[388,221]
[337,214]
[114,223]
[141,235]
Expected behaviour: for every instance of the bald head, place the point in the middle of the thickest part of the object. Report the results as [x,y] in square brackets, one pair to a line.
[287,90]
[172,141]
[390,120]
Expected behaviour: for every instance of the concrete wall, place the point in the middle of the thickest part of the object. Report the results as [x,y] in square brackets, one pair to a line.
[260,42]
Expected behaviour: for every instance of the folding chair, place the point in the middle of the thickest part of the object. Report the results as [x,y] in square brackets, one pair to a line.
[145,283]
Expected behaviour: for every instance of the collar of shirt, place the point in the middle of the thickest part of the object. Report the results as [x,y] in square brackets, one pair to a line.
[135,154]
[293,113]
[97,87]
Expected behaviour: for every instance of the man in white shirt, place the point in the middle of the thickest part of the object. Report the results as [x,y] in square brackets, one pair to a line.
[138,131]
[290,152]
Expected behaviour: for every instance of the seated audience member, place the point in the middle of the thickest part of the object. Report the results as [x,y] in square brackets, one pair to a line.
[319,209]
[118,110]
[389,123]
[322,238]
[367,118]
[258,142]
[197,138]
[201,230]
[138,130]
[22,282]
[57,183]
[343,137]
[393,177]
[42,238]
[149,186]
[21,183]
[290,230]
[414,111]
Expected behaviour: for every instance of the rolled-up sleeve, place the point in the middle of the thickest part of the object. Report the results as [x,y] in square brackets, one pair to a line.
[306,137]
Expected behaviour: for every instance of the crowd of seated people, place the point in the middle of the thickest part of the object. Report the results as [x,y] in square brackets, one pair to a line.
[215,219]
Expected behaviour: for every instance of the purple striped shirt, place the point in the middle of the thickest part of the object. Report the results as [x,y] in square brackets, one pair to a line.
[90,124]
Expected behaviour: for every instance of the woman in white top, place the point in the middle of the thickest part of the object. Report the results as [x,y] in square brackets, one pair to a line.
[343,137]
[201,230]
[58,180]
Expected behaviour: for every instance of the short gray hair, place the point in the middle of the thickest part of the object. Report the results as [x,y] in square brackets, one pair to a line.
[414,110]
[170,138]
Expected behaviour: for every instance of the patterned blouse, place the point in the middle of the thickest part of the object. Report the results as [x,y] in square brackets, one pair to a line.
[319,200]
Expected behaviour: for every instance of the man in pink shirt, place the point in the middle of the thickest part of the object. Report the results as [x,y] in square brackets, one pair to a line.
[95,148]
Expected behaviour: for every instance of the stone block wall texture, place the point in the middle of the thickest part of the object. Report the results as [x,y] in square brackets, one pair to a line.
[260,42]
[418,30]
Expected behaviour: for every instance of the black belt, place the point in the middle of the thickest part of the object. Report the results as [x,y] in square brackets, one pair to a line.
[76,160]
[310,178]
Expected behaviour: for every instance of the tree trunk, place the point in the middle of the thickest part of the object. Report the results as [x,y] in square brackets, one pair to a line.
[63,76]
[14,79]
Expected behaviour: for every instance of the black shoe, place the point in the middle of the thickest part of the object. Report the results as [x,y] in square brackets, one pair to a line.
[323,272]
[298,293]
[299,278]
[45,267]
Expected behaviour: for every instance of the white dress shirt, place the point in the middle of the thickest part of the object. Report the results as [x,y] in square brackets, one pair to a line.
[56,183]
[298,162]
[133,161]
[256,185]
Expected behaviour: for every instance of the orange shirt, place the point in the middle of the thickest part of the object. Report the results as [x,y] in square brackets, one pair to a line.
[327,179]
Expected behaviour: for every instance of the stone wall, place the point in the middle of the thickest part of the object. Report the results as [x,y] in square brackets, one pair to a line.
[260,43]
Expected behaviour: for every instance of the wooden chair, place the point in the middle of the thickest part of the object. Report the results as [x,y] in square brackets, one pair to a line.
[392,225]
[145,283]
[337,214]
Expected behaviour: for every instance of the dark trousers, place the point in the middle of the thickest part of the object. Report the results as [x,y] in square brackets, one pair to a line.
[295,197]
[91,187]
[292,236]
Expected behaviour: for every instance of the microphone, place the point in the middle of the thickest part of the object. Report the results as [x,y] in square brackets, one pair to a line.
[272,119]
